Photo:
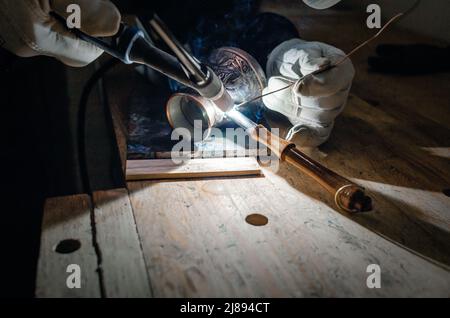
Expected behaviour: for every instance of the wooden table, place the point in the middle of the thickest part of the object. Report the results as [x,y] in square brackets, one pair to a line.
[189,238]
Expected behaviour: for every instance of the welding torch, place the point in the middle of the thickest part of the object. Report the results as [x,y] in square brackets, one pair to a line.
[131,46]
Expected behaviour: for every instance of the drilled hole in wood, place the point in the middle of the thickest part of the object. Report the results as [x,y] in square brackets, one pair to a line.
[257,220]
[67,246]
[446,192]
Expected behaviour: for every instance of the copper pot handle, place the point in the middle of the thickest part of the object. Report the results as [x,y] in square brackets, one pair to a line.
[348,196]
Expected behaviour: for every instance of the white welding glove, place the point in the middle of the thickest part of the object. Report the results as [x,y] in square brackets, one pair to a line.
[27,28]
[313,106]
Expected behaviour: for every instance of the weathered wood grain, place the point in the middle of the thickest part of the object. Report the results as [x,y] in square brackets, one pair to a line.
[384,153]
[122,262]
[193,168]
[196,244]
[67,218]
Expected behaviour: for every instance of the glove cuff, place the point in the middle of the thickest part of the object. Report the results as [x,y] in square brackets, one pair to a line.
[305,135]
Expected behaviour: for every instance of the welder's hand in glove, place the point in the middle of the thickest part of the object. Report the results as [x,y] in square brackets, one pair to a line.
[312,106]
[27,28]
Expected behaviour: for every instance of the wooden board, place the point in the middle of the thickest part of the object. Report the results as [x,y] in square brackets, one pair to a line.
[405,182]
[122,263]
[67,218]
[394,140]
[197,244]
[194,168]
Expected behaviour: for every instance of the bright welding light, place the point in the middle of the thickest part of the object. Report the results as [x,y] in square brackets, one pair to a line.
[240,119]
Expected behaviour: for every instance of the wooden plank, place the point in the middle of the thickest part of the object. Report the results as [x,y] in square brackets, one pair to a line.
[197,244]
[67,218]
[193,168]
[122,261]
[384,152]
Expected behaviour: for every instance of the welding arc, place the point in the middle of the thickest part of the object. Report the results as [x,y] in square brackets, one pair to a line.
[346,57]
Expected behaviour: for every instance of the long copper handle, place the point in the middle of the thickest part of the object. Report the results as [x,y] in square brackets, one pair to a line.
[348,195]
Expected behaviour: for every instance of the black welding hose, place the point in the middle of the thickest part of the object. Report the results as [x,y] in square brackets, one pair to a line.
[82,114]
